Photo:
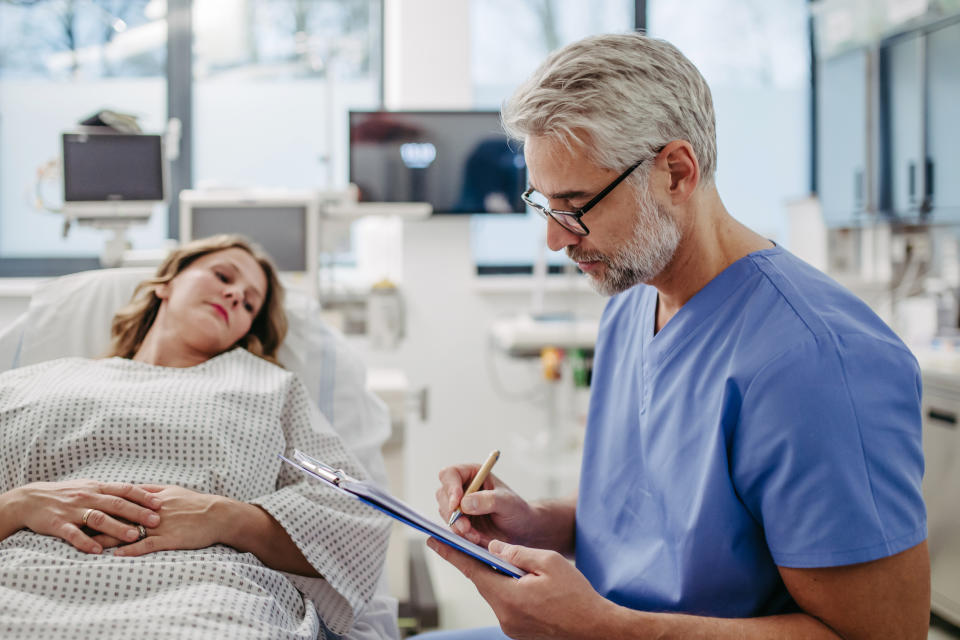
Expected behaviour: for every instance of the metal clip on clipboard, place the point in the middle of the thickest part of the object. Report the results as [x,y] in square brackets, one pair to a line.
[384,502]
[328,473]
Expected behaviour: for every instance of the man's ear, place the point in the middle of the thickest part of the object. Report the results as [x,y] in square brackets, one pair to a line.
[684,170]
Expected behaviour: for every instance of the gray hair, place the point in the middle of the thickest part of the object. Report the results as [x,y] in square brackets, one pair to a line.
[622,96]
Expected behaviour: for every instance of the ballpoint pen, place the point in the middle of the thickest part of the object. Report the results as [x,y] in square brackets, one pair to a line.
[477,482]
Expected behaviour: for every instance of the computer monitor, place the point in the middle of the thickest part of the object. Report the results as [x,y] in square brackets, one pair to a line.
[112,173]
[285,223]
[460,162]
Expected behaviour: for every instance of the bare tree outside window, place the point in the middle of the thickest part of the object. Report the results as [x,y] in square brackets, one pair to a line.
[293,39]
[63,39]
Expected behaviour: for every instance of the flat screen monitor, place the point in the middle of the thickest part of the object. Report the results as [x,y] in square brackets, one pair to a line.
[107,167]
[279,229]
[285,223]
[460,162]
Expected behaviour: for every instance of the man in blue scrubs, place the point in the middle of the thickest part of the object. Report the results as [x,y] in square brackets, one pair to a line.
[752,465]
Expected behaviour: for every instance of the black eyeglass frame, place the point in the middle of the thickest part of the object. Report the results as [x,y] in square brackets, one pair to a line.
[566,219]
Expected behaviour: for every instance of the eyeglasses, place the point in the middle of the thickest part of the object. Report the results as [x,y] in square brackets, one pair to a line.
[571,220]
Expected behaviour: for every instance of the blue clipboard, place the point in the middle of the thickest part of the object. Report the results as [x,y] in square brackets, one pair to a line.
[384,502]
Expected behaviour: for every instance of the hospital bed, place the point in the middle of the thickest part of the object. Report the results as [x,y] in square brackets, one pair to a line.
[70,316]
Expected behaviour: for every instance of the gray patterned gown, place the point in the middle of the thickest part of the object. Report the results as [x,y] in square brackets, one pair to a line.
[215,428]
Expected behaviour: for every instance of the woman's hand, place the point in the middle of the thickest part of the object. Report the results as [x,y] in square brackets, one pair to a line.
[194,520]
[65,509]
[191,520]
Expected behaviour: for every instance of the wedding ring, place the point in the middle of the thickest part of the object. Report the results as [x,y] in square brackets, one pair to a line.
[86,514]
[143,532]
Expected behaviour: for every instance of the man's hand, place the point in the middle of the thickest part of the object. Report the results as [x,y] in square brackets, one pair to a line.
[496,512]
[553,600]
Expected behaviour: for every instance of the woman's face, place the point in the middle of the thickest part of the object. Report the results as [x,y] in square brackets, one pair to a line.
[212,303]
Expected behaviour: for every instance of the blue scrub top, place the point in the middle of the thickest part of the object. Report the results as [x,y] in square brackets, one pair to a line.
[774,420]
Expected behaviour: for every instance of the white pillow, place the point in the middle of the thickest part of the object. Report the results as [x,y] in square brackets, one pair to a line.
[71,315]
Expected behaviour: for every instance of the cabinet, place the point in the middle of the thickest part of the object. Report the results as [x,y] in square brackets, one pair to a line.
[901,68]
[943,73]
[842,137]
[888,128]
[941,483]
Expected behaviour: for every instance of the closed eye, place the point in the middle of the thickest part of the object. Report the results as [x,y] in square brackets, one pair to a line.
[226,276]
[566,206]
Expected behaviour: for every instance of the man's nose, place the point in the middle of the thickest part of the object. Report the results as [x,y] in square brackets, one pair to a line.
[558,237]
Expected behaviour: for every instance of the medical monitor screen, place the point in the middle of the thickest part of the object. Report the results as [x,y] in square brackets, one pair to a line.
[458,161]
[279,229]
[106,167]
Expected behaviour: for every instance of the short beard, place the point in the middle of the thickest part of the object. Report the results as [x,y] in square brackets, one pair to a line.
[643,256]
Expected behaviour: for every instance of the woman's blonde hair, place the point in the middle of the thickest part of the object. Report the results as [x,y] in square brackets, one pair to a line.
[131,323]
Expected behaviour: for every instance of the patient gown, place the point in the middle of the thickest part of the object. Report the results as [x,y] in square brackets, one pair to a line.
[215,428]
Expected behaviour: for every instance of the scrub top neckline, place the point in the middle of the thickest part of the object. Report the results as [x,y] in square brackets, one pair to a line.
[698,308]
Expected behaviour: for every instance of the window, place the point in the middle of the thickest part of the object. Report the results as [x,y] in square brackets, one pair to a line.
[509,40]
[271,84]
[755,55]
[59,63]
[274,81]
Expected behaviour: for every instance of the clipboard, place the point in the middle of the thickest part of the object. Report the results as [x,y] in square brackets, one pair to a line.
[383,501]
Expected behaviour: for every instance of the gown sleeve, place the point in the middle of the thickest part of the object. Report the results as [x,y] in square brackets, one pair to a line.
[342,538]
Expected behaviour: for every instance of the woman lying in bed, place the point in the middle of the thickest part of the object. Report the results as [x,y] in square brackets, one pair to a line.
[142,494]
